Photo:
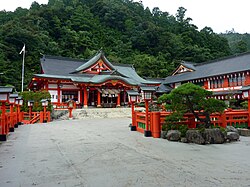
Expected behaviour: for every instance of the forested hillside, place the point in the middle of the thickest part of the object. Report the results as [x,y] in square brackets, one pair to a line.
[154,41]
[238,43]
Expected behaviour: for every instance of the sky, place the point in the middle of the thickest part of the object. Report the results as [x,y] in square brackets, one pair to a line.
[220,15]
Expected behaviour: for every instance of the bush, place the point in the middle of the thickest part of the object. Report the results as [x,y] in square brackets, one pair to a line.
[164,127]
[183,129]
[36,97]
[244,104]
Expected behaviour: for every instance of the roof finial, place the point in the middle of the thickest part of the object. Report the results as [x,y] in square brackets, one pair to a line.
[99,51]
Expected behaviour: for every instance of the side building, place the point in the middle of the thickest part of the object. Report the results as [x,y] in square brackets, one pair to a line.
[226,77]
[95,82]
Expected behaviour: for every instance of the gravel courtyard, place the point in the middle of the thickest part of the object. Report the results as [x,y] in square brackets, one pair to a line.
[104,152]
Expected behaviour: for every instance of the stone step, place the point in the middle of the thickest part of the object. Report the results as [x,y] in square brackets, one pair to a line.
[101,113]
[244,132]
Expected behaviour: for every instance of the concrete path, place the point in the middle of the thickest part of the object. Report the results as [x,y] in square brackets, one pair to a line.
[103,152]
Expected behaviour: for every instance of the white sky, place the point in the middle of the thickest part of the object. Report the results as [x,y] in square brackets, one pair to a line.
[220,15]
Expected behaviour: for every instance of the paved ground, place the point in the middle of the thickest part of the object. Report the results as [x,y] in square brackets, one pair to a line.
[103,152]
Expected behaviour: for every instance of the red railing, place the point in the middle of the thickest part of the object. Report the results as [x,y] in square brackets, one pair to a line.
[10,120]
[236,118]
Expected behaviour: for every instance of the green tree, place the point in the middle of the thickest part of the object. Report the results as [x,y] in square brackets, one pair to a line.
[190,98]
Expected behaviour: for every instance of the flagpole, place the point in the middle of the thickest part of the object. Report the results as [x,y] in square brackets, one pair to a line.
[23,67]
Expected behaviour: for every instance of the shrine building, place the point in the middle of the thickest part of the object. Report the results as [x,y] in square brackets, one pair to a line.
[226,77]
[94,82]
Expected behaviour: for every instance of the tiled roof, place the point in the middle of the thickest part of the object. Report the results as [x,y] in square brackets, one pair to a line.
[62,68]
[223,66]
[93,60]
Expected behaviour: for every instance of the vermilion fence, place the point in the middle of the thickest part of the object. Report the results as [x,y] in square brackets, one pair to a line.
[10,120]
[236,118]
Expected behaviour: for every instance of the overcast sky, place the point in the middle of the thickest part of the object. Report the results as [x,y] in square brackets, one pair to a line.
[220,15]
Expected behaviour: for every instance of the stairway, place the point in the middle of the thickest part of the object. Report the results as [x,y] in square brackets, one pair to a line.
[101,113]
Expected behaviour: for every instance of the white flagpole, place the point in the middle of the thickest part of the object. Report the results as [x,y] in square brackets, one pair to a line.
[23,51]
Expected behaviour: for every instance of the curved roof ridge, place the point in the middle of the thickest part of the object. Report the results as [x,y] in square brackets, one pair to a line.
[93,60]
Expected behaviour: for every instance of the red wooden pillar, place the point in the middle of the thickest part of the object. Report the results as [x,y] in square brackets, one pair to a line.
[3,135]
[247,81]
[133,125]
[58,94]
[44,114]
[223,120]
[225,84]
[248,108]
[30,112]
[18,114]
[48,116]
[41,117]
[118,100]
[80,96]
[46,86]
[206,85]
[11,118]
[155,124]
[85,102]
[191,122]
[98,99]
[147,132]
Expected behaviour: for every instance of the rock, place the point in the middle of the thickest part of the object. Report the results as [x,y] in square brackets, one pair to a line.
[173,135]
[184,140]
[194,136]
[213,136]
[164,134]
[231,129]
[233,136]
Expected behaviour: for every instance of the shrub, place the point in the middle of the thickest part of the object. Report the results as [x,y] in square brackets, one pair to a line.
[183,129]
[244,104]
[164,127]
[36,97]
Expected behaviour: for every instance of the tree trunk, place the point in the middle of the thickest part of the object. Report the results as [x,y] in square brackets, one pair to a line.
[207,121]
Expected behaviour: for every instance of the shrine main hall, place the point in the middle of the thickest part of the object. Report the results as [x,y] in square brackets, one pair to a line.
[95,82]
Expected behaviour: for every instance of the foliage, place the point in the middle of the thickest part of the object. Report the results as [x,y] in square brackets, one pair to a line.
[244,104]
[154,41]
[171,126]
[191,98]
[238,43]
[36,97]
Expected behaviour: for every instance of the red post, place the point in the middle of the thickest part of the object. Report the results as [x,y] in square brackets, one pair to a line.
[85,102]
[133,126]
[48,116]
[98,99]
[30,112]
[118,99]
[58,94]
[223,120]
[70,113]
[3,135]
[18,112]
[248,108]
[155,124]
[41,117]
[147,132]
[11,118]
[44,114]
[191,122]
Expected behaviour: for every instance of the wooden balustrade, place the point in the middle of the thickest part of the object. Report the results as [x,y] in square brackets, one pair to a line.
[236,118]
[9,121]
